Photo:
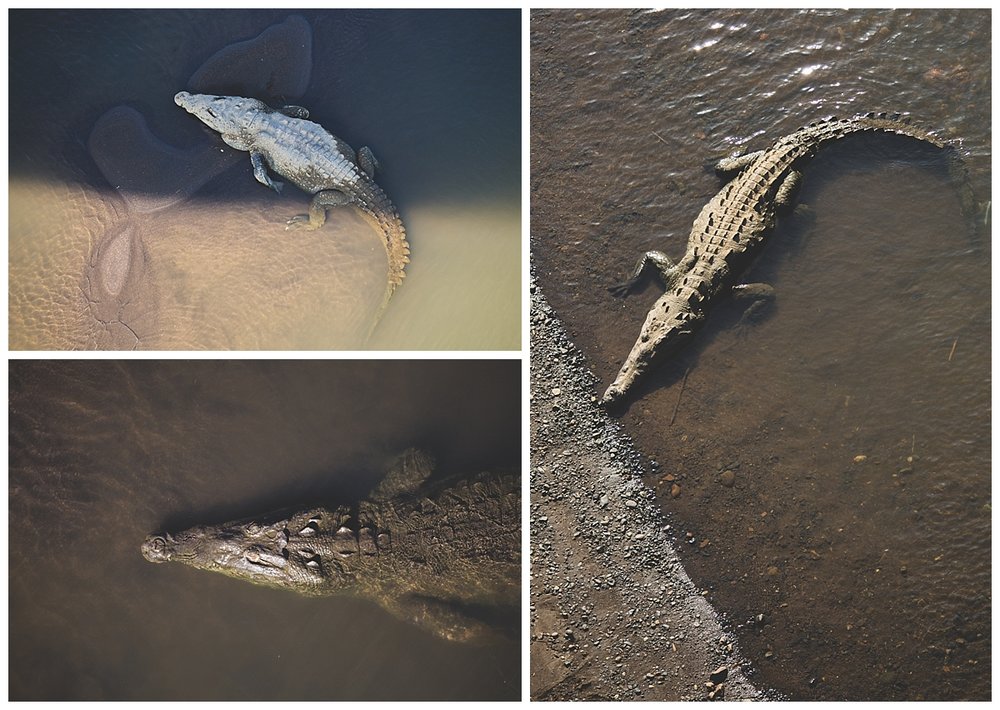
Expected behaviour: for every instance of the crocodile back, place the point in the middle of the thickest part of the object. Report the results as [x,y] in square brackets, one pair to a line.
[460,542]
[315,160]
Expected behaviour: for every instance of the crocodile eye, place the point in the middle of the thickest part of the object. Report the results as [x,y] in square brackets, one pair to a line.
[310,558]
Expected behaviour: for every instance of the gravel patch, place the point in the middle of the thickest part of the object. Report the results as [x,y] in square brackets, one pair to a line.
[614,616]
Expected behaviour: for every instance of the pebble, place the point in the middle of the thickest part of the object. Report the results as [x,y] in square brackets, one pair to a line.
[675,491]
[728,479]
[719,674]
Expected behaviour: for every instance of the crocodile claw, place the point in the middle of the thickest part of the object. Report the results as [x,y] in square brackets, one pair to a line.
[623,289]
[299,221]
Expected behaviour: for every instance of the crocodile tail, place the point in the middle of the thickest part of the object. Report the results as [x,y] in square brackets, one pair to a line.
[383,216]
[898,124]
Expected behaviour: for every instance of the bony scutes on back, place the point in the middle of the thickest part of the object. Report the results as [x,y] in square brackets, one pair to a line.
[280,140]
[435,554]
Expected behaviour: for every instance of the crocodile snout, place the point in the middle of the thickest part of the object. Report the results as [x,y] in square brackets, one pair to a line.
[156,548]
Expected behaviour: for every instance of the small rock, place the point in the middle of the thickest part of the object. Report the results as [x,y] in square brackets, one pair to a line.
[675,491]
[773,571]
[630,503]
[728,479]
[556,391]
[719,675]
[860,458]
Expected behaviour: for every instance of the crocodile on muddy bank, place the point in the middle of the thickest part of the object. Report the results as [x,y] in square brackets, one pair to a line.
[313,159]
[445,557]
[730,231]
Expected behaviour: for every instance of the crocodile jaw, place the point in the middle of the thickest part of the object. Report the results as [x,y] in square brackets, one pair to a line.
[225,114]
[271,555]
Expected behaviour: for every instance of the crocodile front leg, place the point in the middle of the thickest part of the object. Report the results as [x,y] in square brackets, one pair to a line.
[449,620]
[757,296]
[663,263]
[260,172]
[321,202]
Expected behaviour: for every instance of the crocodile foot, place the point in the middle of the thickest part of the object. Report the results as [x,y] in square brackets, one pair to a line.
[301,221]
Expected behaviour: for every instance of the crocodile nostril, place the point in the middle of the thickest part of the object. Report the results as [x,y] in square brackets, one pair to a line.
[154,548]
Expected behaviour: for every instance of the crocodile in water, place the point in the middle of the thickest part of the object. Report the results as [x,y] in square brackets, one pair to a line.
[729,233]
[313,159]
[446,557]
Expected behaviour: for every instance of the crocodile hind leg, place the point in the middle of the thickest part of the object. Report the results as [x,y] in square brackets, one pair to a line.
[321,202]
[662,262]
[731,165]
[784,198]
[367,161]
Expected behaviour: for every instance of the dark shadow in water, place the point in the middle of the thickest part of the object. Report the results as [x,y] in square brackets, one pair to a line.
[349,483]
[452,87]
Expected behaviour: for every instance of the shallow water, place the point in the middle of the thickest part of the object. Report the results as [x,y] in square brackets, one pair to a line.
[113,187]
[104,453]
[871,576]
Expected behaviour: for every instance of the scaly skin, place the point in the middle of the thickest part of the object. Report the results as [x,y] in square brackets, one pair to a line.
[313,159]
[441,558]
[728,234]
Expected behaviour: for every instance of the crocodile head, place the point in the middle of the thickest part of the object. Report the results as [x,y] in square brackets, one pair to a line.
[292,553]
[670,322]
[226,114]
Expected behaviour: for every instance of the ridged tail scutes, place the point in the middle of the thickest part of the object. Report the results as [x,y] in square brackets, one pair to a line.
[397,249]
[383,216]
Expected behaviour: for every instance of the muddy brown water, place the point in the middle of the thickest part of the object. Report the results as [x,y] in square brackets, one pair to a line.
[134,227]
[103,453]
[852,551]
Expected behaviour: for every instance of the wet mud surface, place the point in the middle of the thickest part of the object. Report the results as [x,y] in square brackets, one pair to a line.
[826,464]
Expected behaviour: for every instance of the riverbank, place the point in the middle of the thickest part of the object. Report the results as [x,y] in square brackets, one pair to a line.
[614,616]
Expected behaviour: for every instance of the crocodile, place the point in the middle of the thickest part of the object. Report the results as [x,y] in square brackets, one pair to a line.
[730,231]
[444,556]
[313,159]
